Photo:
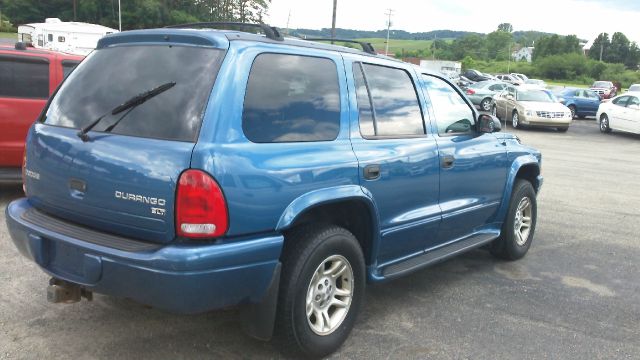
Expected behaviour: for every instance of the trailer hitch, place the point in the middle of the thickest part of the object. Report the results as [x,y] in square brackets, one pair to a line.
[60,291]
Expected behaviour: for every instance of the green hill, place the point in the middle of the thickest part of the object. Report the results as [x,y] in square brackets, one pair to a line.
[399,45]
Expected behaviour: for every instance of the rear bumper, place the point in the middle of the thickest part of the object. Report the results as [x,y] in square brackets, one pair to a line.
[10,175]
[179,278]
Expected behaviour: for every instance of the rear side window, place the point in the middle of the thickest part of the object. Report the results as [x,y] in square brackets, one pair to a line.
[387,102]
[112,76]
[291,98]
[621,101]
[24,77]
[68,66]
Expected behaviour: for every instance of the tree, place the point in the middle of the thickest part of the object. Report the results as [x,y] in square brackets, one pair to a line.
[556,45]
[599,47]
[505,27]
[474,46]
[618,50]
[498,44]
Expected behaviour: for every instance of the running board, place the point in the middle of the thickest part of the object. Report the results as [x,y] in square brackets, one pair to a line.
[435,256]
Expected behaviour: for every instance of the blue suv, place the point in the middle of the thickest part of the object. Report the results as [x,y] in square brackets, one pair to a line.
[192,169]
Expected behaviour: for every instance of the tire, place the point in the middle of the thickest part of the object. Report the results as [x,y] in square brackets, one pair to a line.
[573,111]
[494,111]
[604,124]
[515,120]
[306,251]
[509,245]
[563,129]
[485,104]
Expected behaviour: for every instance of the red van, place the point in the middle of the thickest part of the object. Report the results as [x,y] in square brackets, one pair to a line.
[28,77]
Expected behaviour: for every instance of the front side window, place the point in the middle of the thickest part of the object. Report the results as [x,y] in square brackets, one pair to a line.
[24,77]
[291,98]
[621,101]
[387,102]
[453,115]
[68,66]
[112,76]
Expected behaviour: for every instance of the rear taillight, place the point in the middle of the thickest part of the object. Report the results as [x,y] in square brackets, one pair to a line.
[201,210]
[24,173]
[470,92]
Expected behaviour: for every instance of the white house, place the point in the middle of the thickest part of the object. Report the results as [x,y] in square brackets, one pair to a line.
[69,37]
[526,53]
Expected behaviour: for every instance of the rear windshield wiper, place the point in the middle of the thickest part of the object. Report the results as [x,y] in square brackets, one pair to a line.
[127,105]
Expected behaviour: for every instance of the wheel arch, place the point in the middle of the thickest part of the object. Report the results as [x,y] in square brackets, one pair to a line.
[525,167]
[346,206]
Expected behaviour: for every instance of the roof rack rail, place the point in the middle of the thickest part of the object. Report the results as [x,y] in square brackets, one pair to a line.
[269,31]
[366,47]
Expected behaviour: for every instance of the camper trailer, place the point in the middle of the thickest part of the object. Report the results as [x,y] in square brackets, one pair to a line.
[69,37]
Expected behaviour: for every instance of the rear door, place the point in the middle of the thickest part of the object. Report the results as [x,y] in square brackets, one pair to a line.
[122,178]
[398,160]
[25,82]
[473,165]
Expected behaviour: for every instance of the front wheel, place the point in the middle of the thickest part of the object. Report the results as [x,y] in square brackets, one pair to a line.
[515,119]
[322,290]
[520,224]
[604,123]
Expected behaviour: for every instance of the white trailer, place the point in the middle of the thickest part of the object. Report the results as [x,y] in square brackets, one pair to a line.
[69,37]
[449,68]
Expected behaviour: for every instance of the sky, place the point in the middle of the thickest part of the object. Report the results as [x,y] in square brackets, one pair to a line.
[584,18]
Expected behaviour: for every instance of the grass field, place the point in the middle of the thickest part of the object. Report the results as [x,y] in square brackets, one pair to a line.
[398,45]
[4,35]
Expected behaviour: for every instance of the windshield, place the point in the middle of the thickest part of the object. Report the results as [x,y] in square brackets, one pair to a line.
[634,88]
[111,76]
[602,84]
[539,96]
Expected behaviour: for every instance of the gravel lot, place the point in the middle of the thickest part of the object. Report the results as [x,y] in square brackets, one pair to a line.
[575,296]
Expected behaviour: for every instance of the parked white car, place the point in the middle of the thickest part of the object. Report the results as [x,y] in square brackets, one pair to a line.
[621,113]
[634,88]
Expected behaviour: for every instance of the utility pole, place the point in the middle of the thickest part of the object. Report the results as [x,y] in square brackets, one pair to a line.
[288,18]
[75,10]
[388,13]
[601,45]
[509,63]
[333,21]
[119,16]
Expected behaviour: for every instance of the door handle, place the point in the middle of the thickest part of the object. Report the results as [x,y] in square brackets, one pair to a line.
[371,172]
[447,161]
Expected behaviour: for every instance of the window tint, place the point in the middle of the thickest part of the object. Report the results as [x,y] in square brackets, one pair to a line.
[24,77]
[396,111]
[452,113]
[291,98]
[621,101]
[111,76]
[68,66]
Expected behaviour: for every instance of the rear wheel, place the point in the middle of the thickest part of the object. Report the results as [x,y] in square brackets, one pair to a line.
[485,104]
[520,224]
[322,290]
[604,123]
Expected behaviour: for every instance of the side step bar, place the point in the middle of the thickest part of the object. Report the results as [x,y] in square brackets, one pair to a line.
[435,256]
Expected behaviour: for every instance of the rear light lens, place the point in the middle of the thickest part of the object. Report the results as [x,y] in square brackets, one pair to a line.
[24,173]
[470,92]
[201,210]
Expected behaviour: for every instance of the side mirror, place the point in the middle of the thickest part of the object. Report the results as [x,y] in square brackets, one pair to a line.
[488,124]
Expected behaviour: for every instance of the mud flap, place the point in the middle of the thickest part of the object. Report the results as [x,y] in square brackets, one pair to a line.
[258,319]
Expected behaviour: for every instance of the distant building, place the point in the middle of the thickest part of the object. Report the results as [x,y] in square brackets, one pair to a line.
[586,47]
[526,53]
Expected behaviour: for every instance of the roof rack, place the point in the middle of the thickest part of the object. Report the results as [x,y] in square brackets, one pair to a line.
[366,47]
[269,31]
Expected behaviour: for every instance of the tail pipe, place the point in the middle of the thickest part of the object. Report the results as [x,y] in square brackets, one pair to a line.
[60,291]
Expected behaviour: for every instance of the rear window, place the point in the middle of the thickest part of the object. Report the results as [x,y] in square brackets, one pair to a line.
[24,77]
[112,76]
